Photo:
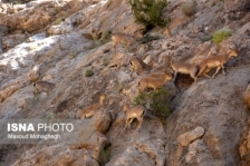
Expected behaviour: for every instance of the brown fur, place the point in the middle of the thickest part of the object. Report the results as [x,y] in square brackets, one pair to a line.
[158,74]
[184,68]
[138,65]
[154,81]
[44,86]
[122,39]
[90,110]
[150,61]
[167,33]
[217,62]
[132,113]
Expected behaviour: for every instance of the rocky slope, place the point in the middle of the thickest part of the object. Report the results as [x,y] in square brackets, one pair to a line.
[63,41]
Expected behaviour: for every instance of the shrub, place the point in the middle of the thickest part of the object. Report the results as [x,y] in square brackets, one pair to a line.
[106,37]
[121,86]
[149,12]
[50,116]
[221,34]
[72,55]
[148,38]
[159,106]
[105,61]
[104,156]
[206,38]
[89,73]
[59,20]
[140,100]
[189,9]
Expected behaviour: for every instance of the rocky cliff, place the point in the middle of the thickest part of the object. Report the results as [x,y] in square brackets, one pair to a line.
[66,42]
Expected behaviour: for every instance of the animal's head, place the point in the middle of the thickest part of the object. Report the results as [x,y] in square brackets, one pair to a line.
[125,107]
[34,84]
[233,53]
[101,96]
[168,76]
[131,64]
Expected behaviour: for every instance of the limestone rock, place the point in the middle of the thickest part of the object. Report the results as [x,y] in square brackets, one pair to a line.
[3,31]
[12,40]
[246,96]
[64,156]
[244,148]
[58,52]
[133,146]
[188,137]
[34,74]
[237,5]
[7,92]
[103,122]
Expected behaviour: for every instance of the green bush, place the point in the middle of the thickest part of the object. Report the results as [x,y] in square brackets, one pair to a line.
[105,61]
[159,106]
[106,37]
[59,20]
[140,100]
[149,12]
[189,9]
[221,34]
[148,38]
[89,73]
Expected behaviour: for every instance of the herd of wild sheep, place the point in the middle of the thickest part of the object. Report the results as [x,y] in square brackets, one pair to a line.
[154,80]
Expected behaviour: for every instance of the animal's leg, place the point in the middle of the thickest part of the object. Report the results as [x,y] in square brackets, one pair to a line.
[217,70]
[140,119]
[192,74]
[175,74]
[206,75]
[202,69]
[126,124]
[130,121]
[115,45]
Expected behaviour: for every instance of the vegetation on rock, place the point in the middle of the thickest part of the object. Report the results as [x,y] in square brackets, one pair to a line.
[159,106]
[221,34]
[149,12]
[189,9]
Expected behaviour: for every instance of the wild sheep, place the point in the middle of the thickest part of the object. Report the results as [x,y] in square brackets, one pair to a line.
[154,81]
[132,113]
[122,39]
[138,65]
[44,86]
[90,110]
[184,68]
[218,62]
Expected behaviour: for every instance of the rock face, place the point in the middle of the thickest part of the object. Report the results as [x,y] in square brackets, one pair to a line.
[246,97]
[238,5]
[46,156]
[188,137]
[67,42]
